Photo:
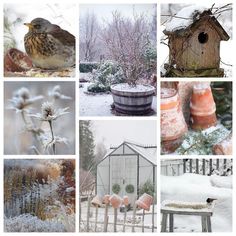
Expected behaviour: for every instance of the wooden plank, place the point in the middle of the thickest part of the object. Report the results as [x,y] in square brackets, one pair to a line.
[197,166]
[191,166]
[88,214]
[115,219]
[164,222]
[204,167]
[125,214]
[217,164]
[134,215]
[183,212]
[105,218]
[210,167]
[171,222]
[209,229]
[143,221]
[184,166]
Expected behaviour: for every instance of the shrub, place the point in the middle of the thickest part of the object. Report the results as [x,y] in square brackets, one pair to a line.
[86,67]
[129,188]
[148,188]
[116,188]
[107,74]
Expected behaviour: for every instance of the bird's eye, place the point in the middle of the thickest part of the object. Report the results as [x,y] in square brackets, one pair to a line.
[37,26]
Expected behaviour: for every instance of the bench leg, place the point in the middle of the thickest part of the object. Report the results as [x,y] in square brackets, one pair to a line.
[164,222]
[171,222]
[209,224]
[204,224]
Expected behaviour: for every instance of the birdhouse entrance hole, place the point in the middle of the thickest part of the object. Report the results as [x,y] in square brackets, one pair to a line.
[203,37]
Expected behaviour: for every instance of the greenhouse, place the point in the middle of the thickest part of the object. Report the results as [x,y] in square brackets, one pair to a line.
[129,169]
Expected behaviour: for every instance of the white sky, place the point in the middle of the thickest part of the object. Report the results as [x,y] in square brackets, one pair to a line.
[104,11]
[114,132]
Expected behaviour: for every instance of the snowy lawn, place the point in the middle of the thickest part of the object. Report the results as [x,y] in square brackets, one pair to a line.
[197,188]
[120,219]
[99,104]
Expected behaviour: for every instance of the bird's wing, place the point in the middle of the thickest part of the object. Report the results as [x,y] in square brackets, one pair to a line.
[63,36]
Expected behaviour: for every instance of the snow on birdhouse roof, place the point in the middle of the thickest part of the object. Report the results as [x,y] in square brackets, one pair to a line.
[191,16]
[184,18]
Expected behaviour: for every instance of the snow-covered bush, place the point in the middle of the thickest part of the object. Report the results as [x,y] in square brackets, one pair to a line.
[107,74]
[148,188]
[86,67]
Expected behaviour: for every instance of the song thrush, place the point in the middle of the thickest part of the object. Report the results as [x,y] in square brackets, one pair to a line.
[49,46]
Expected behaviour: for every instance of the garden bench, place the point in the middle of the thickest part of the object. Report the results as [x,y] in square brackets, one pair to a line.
[186,208]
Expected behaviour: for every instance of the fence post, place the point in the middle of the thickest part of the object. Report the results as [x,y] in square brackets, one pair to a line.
[88,213]
[143,221]
[203,166]
[210,167]
[80,211]
[197,166]
[96,218]
[184,160]
[106,218]
[125,214]
[191,166]
[115,219]
[134,214]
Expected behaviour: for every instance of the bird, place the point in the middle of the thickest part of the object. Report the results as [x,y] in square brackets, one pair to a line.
[209,201]
[48,45]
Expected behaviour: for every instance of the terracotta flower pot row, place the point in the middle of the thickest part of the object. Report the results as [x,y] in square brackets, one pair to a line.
[173,125]
[144,202]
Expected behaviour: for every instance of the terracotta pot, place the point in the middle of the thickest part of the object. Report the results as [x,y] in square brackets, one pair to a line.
[173,125]
[16,61]
[202,107]
[126,200]
[106,199]
[97,202]
[145,201]
[115,201]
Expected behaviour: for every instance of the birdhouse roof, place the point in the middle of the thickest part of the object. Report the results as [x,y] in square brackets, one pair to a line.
[189,18]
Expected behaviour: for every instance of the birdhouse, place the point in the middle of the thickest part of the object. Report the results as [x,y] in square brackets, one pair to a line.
[194,36]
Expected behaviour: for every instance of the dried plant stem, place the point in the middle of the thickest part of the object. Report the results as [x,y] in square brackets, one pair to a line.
[53,146]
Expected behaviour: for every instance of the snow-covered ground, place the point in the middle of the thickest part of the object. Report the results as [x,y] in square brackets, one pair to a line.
[120,219]
[99,104]
[197,188]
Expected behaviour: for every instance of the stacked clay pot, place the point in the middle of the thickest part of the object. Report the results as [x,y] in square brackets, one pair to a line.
[202,107]
[106,199]
[126,200]
[173,125]
[145,201]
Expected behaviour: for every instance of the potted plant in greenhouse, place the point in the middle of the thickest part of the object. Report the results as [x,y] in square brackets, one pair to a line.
[128,43]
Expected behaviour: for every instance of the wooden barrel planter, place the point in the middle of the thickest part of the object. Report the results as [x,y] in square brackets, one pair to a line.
[202,107]
[173,125]
[136,100]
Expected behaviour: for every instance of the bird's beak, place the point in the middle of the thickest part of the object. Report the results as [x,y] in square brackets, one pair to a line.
[29,25]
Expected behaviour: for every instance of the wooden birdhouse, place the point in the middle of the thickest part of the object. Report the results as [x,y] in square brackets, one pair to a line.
[194,36]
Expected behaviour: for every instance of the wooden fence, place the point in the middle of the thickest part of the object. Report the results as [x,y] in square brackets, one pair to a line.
[109,221]
[208,167]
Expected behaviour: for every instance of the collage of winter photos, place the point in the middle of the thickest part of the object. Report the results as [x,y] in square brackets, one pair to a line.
[117,117]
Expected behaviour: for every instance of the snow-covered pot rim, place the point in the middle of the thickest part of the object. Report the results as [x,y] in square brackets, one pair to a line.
[106,199]
[11,65]
[125,89]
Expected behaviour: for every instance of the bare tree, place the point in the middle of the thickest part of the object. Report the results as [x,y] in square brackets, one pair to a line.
[126,40]
[89,28]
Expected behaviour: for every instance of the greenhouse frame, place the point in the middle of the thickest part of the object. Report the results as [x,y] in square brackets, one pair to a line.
[125,169]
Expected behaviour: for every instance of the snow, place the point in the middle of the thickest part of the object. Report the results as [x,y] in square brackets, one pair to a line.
[184,18]
[197,188]
[133,89]
[120,218]
[222,181]
[99,104]
[29,223]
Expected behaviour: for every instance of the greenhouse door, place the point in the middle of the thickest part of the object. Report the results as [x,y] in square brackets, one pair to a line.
[124,172]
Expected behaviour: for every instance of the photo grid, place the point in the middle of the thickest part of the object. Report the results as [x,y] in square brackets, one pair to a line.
[117,117]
